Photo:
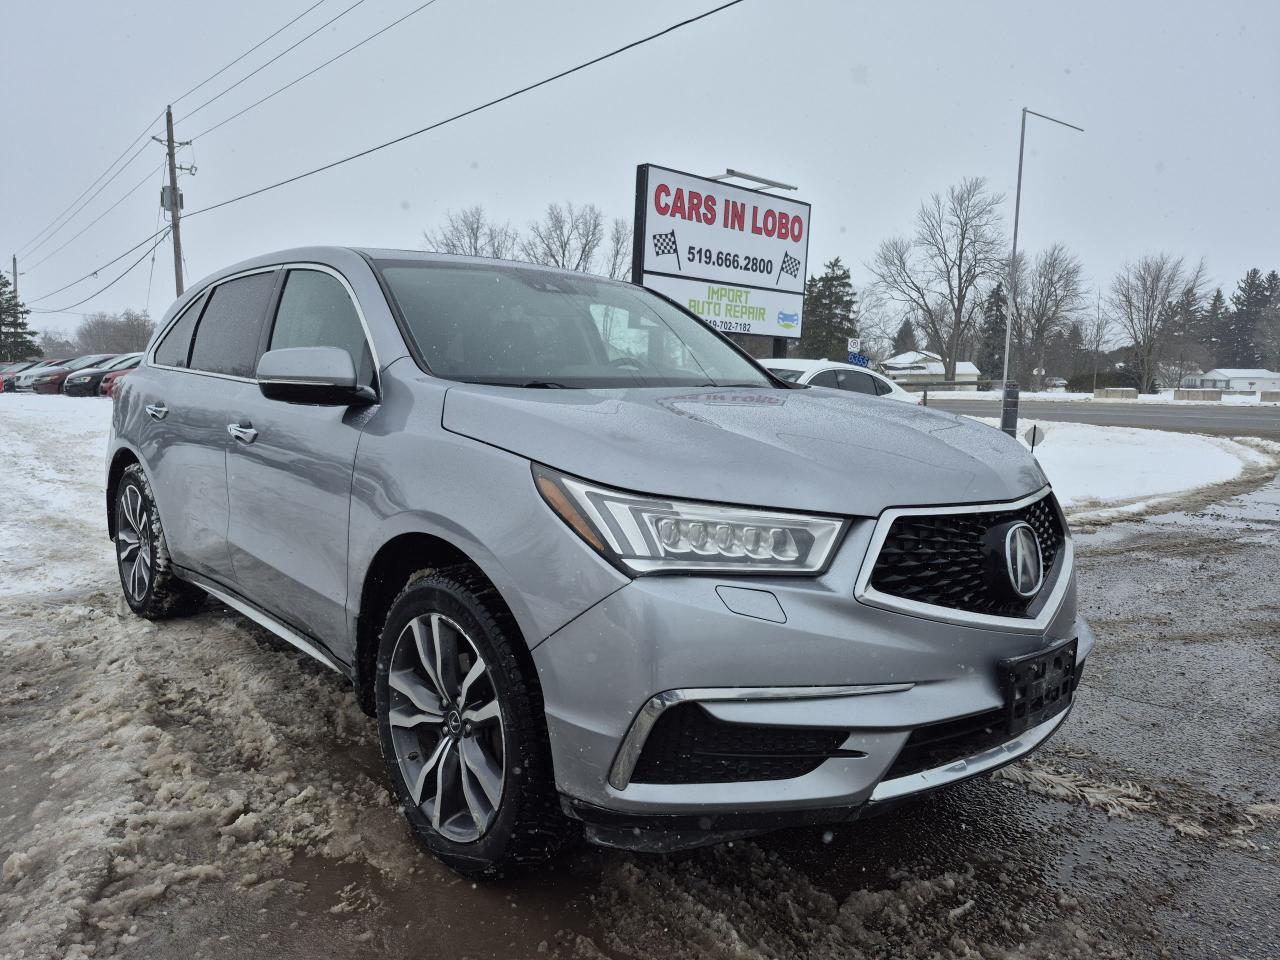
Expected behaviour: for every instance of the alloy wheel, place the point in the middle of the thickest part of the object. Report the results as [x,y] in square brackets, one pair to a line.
[446,727]
[133,543]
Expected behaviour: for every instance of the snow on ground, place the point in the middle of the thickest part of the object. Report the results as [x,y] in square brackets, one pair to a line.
[1130,469]
[1164,396]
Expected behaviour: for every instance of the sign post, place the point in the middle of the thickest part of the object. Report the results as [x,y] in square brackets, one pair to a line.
[733,256]
[1009,409]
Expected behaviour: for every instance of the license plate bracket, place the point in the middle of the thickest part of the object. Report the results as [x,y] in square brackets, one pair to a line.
[1038,686]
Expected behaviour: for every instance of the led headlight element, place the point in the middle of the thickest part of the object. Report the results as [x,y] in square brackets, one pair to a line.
[655,535]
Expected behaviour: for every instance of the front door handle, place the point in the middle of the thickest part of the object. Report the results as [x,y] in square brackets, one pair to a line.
[243,432]
[157,411]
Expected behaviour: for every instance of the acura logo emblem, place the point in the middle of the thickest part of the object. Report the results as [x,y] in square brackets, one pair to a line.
[1023,561]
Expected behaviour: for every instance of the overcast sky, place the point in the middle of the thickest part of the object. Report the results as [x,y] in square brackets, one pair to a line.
[867,106]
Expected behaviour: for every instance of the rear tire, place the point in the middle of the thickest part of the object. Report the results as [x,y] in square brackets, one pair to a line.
[142,556]
[463,736]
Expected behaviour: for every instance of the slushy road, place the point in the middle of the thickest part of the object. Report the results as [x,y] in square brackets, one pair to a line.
[1229,420]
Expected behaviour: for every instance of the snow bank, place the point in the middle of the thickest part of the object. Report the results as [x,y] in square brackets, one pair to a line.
[1129,468]
[1058,396]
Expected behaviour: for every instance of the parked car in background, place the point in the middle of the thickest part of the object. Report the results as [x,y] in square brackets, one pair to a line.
[9,379]
[49,379]
[84,383]
[840,376]
[8,370]
[107,387]
[1055,383]
[588,564]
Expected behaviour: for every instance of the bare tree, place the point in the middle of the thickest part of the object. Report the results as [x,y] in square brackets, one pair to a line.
[1097,334]
[567,237]
[618,256]
[55,345]
[1137,302]
[471,234]
[1044,297]
[936,272]
[127,332]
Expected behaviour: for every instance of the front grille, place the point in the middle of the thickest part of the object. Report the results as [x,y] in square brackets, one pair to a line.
[941,743]
[688,745]
[938,559]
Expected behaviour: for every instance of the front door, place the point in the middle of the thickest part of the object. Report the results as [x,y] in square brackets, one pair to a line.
[289,471]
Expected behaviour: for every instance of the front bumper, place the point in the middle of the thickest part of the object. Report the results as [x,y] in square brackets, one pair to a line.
[799,653]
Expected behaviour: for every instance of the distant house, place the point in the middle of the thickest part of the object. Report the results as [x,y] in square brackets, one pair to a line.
[1229,378]
[915,368]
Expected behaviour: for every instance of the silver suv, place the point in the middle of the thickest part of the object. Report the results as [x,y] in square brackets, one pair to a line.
[589,565]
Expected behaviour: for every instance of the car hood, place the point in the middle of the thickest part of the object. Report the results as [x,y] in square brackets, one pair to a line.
[813,450]
[43,371]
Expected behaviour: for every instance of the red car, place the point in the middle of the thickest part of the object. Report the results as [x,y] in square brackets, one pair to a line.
[50,379]
[107,388]
[9,376]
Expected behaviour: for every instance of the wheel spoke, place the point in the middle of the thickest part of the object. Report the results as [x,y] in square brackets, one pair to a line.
[128,545]
[132,502]
[475,673]
[426,653]
[407,683]
[483,714]
[433,762]
[475,806]
[446,650]
[486,771]
[442,768]
[410,716]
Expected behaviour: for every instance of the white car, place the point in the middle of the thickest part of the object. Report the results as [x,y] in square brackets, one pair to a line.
[840,376]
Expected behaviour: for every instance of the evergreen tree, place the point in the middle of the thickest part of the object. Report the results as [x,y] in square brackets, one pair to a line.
[830,313]
[989,354]
[1213,328]
[17,342]
[1076,354]
[1272,285]
[904,341]
[1247,306]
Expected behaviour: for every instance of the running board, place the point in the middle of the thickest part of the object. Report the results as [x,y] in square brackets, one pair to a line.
[266,620]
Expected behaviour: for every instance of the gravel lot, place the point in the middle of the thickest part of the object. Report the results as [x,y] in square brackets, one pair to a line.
[198,789]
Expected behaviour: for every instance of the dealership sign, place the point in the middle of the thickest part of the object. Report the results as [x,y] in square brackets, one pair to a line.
[735,257]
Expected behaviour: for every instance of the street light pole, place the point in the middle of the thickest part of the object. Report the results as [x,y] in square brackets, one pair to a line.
[1013,257]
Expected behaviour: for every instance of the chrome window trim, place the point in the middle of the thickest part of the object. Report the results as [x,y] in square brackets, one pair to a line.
[963,769]
[149,358]
[624,763]
[865,593]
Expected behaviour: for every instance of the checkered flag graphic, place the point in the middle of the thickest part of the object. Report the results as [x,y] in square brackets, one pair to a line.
[790,266]
[664,244]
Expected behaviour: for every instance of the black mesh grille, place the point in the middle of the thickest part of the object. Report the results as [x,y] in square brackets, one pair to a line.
[688,745]
[942,743]
[938,558]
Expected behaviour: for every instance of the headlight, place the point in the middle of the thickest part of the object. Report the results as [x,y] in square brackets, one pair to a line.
[655,535]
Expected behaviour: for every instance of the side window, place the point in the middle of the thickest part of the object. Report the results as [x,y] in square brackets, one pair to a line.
[856,382]
[827,378]
[881,387]
[228,335]
[175,348]
[316,311]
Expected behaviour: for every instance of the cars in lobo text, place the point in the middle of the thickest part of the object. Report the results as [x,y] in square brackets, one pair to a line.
[49,379]
[589,565]
[840,376]
[9,376]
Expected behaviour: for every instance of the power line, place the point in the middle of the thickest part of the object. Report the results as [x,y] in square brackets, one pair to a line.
[146,130]
[258,103]
[132,190]
[434,126]
[466,113]
[259,69]
[264,40]
[141,136]
[100,290]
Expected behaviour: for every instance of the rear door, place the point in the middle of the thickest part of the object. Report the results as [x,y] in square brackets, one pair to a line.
[289,473]
[201,370]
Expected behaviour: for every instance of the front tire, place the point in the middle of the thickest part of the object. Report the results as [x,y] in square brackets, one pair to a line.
[142,554]
[463,737]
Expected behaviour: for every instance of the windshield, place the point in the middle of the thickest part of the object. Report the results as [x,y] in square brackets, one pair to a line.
[784,374]
[83,362]
[507,325]
[128,360]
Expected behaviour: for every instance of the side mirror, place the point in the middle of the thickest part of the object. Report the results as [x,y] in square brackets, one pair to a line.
[317,375]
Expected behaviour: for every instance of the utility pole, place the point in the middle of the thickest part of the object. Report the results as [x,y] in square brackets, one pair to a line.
[15,275]
[175,204]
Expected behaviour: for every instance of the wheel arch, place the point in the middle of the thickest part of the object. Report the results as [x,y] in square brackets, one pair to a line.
[121,460]
[392,566]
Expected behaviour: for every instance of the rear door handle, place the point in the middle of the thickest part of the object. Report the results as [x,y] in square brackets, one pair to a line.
[243,432]
[157,411]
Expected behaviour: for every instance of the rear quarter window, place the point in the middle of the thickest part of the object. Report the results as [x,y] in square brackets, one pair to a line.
[175,349]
